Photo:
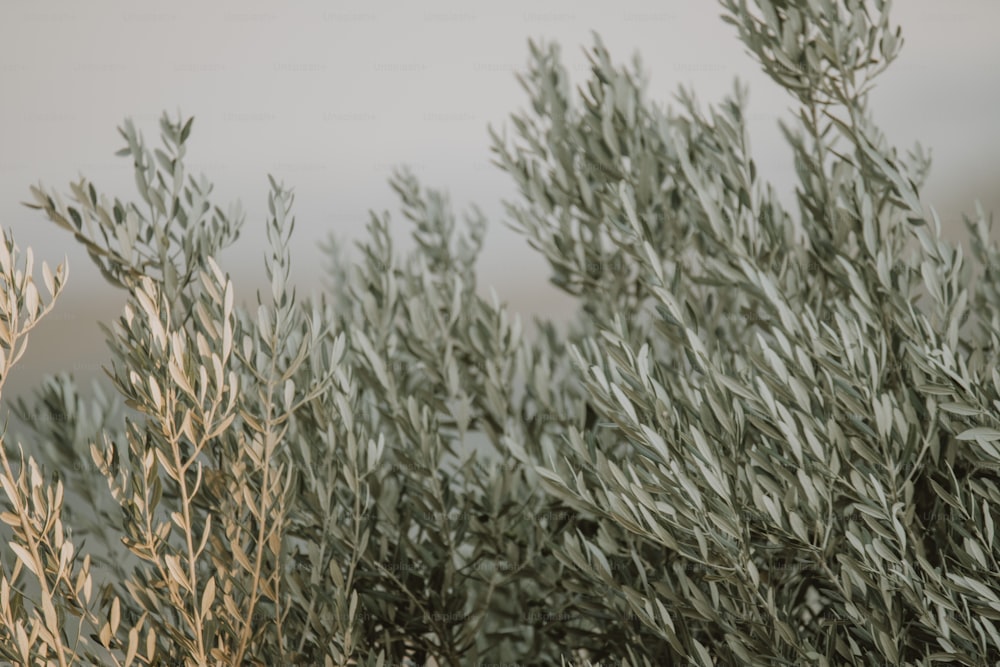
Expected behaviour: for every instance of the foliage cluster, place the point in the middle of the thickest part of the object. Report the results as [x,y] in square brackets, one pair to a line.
[767,438]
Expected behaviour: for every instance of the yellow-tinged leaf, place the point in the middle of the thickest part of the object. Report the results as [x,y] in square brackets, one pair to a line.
[10,490]
[23,644]
[24,556]
[240,557]
[133,646]
[154,393]
[174,566]
[49,612]
[178,375]
[116,614]
[31,300]
[187,427]
[65,554]
[48,279]
[208,597]
[227,339]
[227,306]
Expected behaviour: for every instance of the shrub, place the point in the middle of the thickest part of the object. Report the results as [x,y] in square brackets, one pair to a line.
[767,438]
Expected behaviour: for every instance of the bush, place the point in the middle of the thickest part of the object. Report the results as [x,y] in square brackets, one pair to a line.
[766,439]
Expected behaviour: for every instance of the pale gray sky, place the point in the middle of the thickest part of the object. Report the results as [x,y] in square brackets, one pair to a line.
[330,96]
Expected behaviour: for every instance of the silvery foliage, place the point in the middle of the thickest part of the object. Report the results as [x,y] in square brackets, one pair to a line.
[767,438]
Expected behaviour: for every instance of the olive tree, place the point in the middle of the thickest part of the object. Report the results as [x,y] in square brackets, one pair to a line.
[768,436]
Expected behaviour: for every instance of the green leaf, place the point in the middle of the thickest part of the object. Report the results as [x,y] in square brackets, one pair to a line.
[960,409]
[186,130]
[980,433]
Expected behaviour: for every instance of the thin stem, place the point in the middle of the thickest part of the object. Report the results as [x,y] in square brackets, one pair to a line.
[30,539]
[174,441]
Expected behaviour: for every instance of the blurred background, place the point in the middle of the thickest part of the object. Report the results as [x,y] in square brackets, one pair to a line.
[330,96]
